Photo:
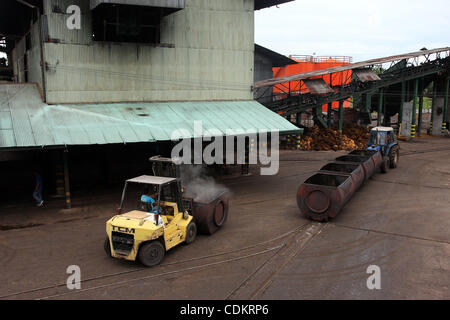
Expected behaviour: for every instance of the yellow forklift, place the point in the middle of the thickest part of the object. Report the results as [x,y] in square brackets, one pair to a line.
[158,224]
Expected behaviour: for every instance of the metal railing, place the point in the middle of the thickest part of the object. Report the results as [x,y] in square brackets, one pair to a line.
[319,59]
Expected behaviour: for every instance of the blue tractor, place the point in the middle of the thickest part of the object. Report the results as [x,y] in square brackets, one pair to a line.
[383,139]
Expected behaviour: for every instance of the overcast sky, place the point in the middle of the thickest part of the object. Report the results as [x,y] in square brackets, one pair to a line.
[359,28]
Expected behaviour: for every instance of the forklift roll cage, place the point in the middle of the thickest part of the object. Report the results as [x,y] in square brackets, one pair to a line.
[161,183]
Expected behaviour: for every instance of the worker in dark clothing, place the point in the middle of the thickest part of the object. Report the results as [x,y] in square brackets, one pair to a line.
[37,194]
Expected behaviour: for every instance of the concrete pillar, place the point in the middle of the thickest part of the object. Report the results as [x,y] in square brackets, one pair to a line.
[407,117]
[438,115]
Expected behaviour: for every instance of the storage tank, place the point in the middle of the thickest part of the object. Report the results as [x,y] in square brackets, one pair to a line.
[323,196]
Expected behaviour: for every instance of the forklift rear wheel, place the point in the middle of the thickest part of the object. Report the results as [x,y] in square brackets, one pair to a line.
[151,253]
[385,165]
[107,247]
[191,232]
[393,158]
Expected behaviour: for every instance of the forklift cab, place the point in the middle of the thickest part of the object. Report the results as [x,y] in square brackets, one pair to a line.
[161,196]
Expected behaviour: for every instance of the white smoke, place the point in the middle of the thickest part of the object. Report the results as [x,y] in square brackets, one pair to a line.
[199,185]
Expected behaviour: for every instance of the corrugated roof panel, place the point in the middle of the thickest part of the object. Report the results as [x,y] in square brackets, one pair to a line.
[125,129]
[161,119]
[106,127]
[59,129]
[5,120]
[131,114]
[38,118]
[7,138]
[70,118]
[30,123]
[237,121]
[22,126]
[222,121]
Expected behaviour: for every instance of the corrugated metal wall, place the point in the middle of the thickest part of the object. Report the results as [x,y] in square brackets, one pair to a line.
[212,58]
[33,57]
[263,71]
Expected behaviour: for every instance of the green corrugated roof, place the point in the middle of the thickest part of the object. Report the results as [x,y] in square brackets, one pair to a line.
[25,121]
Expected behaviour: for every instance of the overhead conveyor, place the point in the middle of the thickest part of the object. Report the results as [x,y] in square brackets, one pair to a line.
[384,91]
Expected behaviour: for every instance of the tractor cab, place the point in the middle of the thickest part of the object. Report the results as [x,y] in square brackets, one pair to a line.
[383,139]
[155,223]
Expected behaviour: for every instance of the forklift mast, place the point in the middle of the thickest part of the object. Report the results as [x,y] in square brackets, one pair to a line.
[165,167]
[168,167]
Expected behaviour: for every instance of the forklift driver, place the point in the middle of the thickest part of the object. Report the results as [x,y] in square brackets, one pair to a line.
[147,203]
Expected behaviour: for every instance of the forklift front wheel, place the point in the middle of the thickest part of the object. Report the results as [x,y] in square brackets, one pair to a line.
[107,247]
[191,232]
[151,253]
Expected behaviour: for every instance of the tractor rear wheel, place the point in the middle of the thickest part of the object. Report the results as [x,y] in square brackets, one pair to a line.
[385,165]
[393,157]
[152,253]
[191,232]
[107,247]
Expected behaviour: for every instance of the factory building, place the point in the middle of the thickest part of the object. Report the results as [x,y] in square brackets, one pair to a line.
[99,86]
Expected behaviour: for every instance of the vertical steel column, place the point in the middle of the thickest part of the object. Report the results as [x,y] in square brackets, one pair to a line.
[380,106]
[433,101]
[403,99]
[400,114]
[444,121]
[341,115]
[421,88]
[369,107]
[329,114]
[414,111]
[66,179]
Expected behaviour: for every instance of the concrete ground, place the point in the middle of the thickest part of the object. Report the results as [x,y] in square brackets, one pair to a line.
[267,250]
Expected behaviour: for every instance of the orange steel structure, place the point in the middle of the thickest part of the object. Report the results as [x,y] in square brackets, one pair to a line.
[311,63]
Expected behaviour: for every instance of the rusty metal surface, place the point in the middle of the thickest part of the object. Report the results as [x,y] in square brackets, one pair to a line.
[318,86]
[354,170]
[366,161]
[316,73]
[366,75]
[210,217]
[323,196]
